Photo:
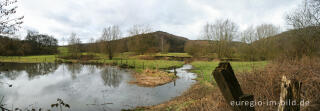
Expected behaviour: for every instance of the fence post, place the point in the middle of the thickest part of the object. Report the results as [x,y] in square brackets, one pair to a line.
[290,95]
[230,88]
[143,65]
[175,71]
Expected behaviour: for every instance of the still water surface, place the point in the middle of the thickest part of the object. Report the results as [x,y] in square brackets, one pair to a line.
[84,87]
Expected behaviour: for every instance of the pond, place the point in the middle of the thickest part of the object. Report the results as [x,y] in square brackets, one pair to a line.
[83,87]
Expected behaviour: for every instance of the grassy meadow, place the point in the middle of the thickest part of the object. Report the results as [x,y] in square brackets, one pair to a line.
[204,68]
[29,59]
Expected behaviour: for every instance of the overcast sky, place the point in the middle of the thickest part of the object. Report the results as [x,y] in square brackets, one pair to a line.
[184,18]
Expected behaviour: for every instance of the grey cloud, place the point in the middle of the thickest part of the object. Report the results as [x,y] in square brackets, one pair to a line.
[180,17]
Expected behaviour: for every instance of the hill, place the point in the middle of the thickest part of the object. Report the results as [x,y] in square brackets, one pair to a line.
[158,41]
[291,43]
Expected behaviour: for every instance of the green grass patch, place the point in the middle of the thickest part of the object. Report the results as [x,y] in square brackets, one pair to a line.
[204,68]
[28,59]
[63,50]
[133,55]
[140,65]
[174,54]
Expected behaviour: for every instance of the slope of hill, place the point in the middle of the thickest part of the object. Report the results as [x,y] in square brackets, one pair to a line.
[152,42]
[292,43]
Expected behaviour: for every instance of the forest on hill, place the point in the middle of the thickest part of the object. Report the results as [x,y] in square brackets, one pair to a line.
[292,43]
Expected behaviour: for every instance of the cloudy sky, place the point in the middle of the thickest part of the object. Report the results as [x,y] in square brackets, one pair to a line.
[185,18]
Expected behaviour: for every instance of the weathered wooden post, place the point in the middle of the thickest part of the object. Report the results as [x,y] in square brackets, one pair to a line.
[290,95]
[142,65]
[230,88]
[174,70]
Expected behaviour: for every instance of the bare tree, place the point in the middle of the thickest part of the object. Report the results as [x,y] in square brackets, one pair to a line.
[248,36]
[257,50]
[305,21]
[9,22]
[262,32]
[139,29]
[109,35]
[91,45]
[221,34]
[266,30]
[62,41]
[307,14]
[74,45]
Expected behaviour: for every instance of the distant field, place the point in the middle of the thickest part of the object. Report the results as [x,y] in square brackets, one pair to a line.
[204,68]
[174,54]
[28,59]
[63,50]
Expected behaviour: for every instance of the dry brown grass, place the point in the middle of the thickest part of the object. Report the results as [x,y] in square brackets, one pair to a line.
[265,84]
[152,78]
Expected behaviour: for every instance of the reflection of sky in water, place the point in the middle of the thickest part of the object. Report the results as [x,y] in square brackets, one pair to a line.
[84,87]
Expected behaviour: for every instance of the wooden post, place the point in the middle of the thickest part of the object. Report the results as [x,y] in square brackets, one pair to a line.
[290,95]
[230,87]
[175,71]
[142,65]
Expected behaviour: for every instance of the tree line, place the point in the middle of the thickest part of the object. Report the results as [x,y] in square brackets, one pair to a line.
[33,44]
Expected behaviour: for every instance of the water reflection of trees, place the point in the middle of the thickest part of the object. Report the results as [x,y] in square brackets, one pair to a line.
[14,70]
[111,76]
[92,68]
[74,69]
[40,69]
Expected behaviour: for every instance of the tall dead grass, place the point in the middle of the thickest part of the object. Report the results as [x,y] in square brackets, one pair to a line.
[265,84]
